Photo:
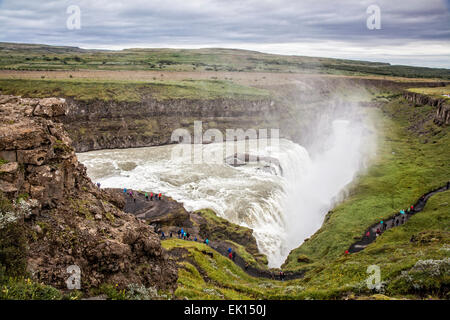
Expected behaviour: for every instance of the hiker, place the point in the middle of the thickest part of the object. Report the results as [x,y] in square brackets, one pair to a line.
[396,222]
[281,275]
[134,199]
[188,235]
[195,239]
[146,196]
[151,196]
[206,241]
[230,255]
[124,190]
[171,234]
[229,250]
[378,231]
[246,266]
[346,252]
[163,235]
[403,220]
[412,208]
[185,234]
[368,234]
[98,185]
[159,196]
[233,255]
[402,211]
[178,233]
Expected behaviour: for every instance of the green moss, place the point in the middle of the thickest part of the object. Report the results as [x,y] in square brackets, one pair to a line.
[81,208]
[217,228]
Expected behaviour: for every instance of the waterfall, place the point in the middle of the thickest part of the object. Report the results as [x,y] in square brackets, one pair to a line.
[282,209]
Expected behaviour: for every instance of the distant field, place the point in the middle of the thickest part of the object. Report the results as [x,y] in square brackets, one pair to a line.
[437,92]
[45,58]
[243,78]
[131,91]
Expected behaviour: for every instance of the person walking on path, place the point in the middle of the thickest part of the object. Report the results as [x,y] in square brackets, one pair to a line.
[246,266]
[159,196]
[146,196]
[233,255]
[230,255]
[207,241]
[125,190]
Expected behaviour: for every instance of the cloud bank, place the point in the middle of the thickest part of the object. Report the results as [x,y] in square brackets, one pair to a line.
[413,32]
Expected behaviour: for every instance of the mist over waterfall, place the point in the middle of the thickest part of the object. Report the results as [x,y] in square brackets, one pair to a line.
[283,204]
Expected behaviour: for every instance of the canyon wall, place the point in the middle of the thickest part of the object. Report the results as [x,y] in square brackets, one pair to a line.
[442,114]
[97,125]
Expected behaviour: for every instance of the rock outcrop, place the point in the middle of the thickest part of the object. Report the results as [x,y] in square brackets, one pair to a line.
[442,115]
[168,215]
[71,221]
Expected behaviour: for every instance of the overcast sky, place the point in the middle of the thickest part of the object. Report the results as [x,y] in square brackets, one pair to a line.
[413,32]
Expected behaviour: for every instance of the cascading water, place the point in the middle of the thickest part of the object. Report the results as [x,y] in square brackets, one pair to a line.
[282,209]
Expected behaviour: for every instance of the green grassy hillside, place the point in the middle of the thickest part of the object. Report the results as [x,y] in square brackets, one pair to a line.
[42,57]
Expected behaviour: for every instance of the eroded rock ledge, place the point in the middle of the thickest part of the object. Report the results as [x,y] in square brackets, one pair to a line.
[71,221]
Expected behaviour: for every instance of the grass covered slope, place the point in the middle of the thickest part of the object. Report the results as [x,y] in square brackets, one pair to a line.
[130,91]
[414,260]
[206,274]
[413,157]
[437,92]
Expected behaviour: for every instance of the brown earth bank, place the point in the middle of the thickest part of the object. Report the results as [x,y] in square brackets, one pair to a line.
[66,220]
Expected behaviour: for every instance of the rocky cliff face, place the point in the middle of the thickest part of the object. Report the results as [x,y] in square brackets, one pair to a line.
[442,115]
[70,221]
[97,125]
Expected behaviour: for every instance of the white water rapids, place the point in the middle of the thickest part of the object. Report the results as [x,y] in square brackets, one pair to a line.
[282,209]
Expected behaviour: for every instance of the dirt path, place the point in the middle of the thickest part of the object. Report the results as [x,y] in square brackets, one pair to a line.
[370,235]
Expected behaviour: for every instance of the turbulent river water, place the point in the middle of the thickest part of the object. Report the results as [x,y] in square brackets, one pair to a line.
[284,202]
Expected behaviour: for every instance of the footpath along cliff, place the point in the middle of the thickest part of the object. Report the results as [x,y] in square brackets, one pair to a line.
[64,218]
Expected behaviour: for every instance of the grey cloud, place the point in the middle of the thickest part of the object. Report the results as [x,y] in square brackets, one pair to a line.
[197,22]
